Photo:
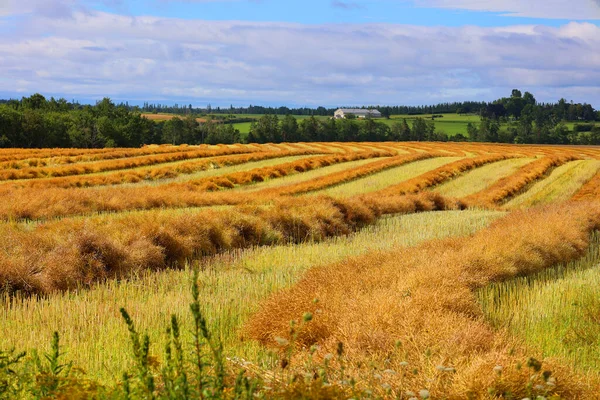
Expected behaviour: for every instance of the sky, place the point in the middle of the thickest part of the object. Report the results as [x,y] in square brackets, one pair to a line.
[300,53]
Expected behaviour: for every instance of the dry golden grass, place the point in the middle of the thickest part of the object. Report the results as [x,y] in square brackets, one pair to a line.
[110,165]
[55,158]
[480,178]
[440,175]
[510,186]
[562,183]
[56,202]
[413,311]
[386,178]
[338,178]
[165,170]
[79,252]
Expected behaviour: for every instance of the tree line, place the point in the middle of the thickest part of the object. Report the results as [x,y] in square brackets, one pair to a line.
[35,122]
[521,119]
[272,129]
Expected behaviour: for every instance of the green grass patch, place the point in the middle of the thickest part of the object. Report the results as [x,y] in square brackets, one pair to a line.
[556,311]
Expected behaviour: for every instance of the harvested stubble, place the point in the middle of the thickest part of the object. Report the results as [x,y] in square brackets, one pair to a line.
[55,202]
[562,183]
[412,312]
[510,186]
[231,287]
[299,166]
[590,191]
[80,252]
[154,173]
[439,175]
[111,165]
[109,154]
[348,175]
[481,178]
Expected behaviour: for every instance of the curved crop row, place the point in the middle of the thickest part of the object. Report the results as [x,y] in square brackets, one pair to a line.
[412,315]
[56,202]
[152,173]
[347,175]
[261,174]
[75,252]
[439,175]
[56,159]
[509,186]
[590,191]
[111,165]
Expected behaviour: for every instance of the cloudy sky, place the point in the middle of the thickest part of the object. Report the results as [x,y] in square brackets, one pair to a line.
[292,52]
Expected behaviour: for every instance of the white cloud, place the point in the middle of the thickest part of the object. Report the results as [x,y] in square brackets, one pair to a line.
[99,54]
[556,9]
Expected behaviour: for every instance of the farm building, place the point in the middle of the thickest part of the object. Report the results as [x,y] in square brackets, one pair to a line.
[358,112]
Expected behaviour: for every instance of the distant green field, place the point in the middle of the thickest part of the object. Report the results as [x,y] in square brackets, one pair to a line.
[450,124]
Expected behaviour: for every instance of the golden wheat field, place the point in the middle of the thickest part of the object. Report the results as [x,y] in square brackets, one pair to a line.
[318,270]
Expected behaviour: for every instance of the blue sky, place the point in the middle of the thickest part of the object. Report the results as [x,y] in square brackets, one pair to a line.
[298,53]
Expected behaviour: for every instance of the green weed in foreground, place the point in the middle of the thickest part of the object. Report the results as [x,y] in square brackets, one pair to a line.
[556,311]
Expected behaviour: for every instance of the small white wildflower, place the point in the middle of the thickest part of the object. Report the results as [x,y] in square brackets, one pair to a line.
[386,386]
[377,376]
[498,369]
[424,393]
[539,387]
[389,371]
[404,364]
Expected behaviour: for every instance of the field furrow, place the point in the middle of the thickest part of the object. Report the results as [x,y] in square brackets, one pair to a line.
[232,286]
[562,183]
[389,177]
[111,165]
[439,175]
[81,252]
[351,174]
[480,178]
[416,308]
[506,188]
[162,171]
[56,202]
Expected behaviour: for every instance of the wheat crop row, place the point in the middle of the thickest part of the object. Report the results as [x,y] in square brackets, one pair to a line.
[410,318]
[79,252]
[110,165]
[54,158]
[441,174]
[154,173]
[510,186]
[348,175]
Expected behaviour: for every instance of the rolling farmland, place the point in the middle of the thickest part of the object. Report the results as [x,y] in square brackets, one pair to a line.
[332,270]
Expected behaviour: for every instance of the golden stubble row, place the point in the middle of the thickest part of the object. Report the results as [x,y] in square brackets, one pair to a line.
[409,317]
[77,252]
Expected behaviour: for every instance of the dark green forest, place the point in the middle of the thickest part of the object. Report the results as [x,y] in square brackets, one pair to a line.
[36,122]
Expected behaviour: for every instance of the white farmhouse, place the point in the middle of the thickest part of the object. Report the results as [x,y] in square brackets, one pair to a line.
[358,112]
